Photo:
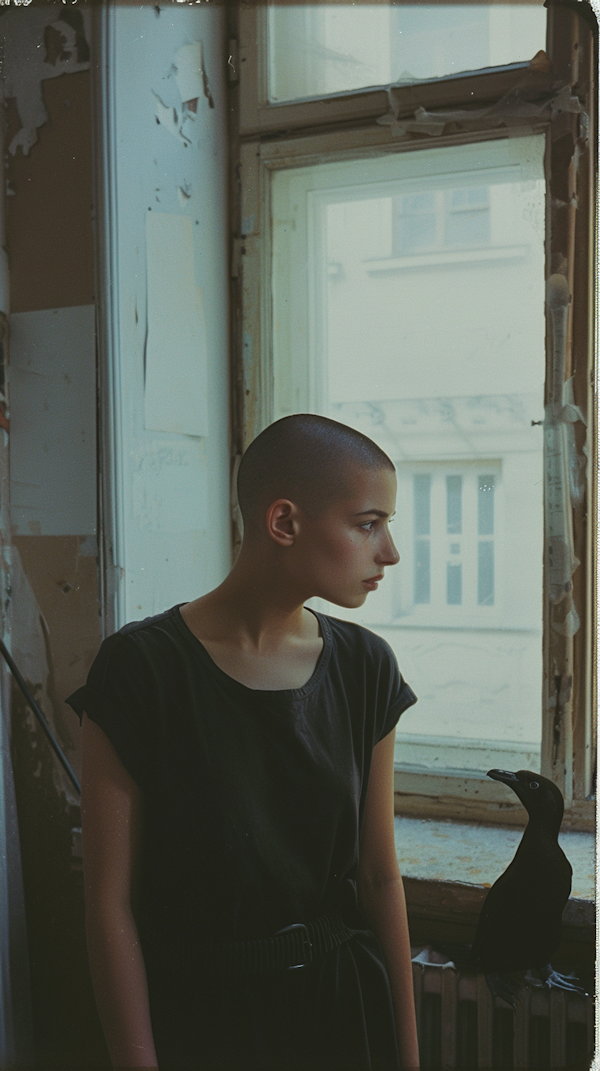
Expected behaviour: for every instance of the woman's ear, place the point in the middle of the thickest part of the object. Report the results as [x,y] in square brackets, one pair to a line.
[282,521]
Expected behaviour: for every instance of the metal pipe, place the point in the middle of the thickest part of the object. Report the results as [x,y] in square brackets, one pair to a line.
[40,717]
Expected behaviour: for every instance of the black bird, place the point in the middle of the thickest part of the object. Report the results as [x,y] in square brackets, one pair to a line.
[519,927]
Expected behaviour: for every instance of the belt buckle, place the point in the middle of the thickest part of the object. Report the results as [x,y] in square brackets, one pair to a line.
[307,944]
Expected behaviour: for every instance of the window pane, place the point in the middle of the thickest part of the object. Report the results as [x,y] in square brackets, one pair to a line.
[416,234]
[413,204]
[422,572]
[415,223]
[471,197]
[443,366]
[485,574]
[318,49]
[485,505]
[468,229]
[422,527]
[453,584]
[422,504]
[424,222]
[454,505]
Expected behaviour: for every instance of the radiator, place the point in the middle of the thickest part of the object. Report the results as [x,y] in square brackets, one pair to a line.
[462,1026]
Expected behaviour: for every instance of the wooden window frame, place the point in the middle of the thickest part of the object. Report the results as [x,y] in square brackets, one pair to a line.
[267,137]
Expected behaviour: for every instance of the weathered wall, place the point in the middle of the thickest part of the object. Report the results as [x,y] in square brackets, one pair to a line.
[163,401]
[52,378]
[49,212]
[55,619]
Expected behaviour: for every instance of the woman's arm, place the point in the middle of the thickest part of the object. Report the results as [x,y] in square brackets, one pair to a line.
[381,895]
[111,813]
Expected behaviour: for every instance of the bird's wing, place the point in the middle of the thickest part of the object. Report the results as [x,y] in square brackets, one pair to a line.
[494,914]
[520,916]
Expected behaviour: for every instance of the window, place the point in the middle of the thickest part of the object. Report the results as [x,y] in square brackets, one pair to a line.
[440,220]
[450,526]
[421,504]
[453,559]
[391,261]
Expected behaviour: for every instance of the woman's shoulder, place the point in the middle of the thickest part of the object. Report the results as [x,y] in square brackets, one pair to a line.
[137,643]
[130,665]
[149,632]
[367,659]
[357,639]
[149,627]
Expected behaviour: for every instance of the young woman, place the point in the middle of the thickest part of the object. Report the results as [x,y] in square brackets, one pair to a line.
[244,908]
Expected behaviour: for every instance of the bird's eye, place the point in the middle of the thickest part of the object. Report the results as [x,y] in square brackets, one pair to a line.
[534,784]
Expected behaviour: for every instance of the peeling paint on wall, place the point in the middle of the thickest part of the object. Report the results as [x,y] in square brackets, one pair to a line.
[32,56]
[189,74]
[56,628]
[170,119]
[184,192]
[27,635]
[30,648]
[163,547]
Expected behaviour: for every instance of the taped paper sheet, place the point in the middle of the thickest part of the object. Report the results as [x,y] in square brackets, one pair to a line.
[175,395]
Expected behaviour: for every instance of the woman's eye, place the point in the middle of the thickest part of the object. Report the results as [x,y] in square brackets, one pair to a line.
[368,526]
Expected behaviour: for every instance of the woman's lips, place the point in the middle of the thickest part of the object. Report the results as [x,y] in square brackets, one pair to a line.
[372,583]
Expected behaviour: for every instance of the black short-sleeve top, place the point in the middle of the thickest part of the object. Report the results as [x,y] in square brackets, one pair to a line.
[253,799]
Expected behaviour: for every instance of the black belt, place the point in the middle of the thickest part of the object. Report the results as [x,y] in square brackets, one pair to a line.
[293,946]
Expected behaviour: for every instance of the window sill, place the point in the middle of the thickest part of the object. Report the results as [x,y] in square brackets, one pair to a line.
[439,257]
[468,796]
[411,622]
[447,868]
[476,855]
[417,753]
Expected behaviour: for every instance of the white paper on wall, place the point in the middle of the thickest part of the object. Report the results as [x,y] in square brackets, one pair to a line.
[53,421]
[175,395]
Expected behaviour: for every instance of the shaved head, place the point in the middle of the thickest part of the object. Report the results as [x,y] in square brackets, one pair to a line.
[307,459]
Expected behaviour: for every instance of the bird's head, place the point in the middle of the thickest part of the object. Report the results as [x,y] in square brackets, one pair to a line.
[540,796]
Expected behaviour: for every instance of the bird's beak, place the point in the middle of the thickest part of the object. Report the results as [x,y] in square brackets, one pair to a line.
[507,776]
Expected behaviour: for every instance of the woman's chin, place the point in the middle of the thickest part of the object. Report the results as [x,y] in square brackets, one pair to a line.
[349,602]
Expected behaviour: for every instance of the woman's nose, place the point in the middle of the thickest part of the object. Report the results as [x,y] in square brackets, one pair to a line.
[388,555]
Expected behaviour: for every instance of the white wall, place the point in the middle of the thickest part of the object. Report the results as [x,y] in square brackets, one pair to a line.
[169,483]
